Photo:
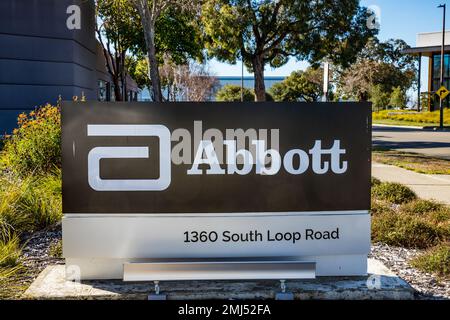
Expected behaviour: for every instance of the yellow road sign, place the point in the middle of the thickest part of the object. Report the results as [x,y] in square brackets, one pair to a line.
[442,92]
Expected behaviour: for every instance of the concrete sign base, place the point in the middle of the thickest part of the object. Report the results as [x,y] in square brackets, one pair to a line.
[380,284]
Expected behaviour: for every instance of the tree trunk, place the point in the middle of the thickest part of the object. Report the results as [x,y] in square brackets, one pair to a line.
[153,64]
[148,23]
[260,87]
[117,89]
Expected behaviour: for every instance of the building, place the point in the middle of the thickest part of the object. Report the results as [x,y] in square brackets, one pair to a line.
[249,82]
[42,58]
[429,46]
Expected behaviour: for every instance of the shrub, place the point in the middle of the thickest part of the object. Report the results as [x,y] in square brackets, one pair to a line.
[34,147]
[375,182]
[379,207]
[232,93]
[421,207]
[436,260]
[398,98]
[56,250]
[10,252]
[31,203]
[393,193]
[379,98]
[412,116]
[399,229]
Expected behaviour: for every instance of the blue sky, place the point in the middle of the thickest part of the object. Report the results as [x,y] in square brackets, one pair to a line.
[401,19]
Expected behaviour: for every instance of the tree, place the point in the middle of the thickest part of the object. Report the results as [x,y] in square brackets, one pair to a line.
[232,93]
[380,63]
[270,32]
[300,86]
[150,11]
[379,98]
[186,82]
[194,82]
[398,98]
[118,32]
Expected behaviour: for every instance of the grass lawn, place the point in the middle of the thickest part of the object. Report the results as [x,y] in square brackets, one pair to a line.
[410,118]
[412,161]
[393,122]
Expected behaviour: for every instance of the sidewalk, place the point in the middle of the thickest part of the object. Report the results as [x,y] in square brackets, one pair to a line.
[426,186]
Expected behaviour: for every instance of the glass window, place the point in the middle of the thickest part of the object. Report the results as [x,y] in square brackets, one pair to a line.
[112,96]
[102,90]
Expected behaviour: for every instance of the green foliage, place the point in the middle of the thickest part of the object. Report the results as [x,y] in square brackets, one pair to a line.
[35,147]
[398,98]
[232,93]
[404,230]
[9,252]
[31,203]
[375,182]
[436,260]
[379,63]
[412,116]
[393,193]
[421,207]
[9,256]
[398,219]
[269,32]
[56,250]
[178,34]
[299,86]
[379,98]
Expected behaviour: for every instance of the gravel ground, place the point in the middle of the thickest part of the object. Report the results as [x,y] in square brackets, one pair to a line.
[36,252]
[36,256]
[397,259]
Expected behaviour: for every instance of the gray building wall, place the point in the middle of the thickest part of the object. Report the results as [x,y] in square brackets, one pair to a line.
[40,58]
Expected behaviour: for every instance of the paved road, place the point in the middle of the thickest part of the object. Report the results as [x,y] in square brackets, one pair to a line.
[426,186]
[431,143]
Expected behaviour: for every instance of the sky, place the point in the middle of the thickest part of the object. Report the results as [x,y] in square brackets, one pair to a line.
[400,19]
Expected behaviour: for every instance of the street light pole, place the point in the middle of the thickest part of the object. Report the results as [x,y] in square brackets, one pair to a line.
[441,104]
[242,80]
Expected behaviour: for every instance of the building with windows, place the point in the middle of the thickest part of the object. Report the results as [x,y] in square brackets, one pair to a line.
[249,82]
[429,46]
[41,58]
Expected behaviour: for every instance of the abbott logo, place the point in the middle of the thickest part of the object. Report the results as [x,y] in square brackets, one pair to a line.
[99,153]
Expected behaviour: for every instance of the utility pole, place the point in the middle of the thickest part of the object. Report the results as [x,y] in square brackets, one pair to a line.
[441,104]
[326,81]
[242,80]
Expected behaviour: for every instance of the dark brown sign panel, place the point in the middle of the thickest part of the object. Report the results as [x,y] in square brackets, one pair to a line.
[215,157]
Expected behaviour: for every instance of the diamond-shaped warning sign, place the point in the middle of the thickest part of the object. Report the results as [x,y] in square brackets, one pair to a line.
[442,92]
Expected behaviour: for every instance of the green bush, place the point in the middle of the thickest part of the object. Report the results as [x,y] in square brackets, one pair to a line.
[421,207]
[379,98]
[35,146]
[9,253]
[56,250]
[411,116]
[398,98]
[398,229]
[232,93]
[393,193]
[31,203]
[375,182]
[436,260]
[379,207]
